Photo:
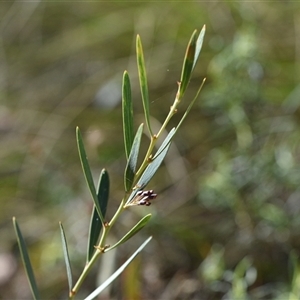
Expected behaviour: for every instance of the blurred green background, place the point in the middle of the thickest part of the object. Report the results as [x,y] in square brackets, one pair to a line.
[226,223]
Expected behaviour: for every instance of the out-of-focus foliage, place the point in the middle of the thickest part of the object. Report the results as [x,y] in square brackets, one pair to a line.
[227,216]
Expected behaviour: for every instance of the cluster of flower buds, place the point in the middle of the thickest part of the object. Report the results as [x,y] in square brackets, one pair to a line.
[143,198]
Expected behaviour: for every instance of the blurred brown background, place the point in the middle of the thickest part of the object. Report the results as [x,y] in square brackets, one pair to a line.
[226,222]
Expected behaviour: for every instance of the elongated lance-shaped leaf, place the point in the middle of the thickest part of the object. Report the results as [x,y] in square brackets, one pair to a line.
[26,261]
[135,229]
[188,63]
[66,256]
[143,81]
[199,44]
[96,224]
[87,172]
[107,282]
[127,113]
[94,233]
[166,142]
[103,191]
[133,158]
[152,168]
[190,105]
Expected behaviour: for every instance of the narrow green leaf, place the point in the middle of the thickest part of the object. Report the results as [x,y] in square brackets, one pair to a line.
[188,63]
[131,232]
[26,260]
[127,113]
[107,282]
[190,106]
[199,44]
[94,233]
[166,142]
[143,81]
[66,256]
[132,160]
[152,168]
[103,191]
[87,172]
[96,224]
[154,165]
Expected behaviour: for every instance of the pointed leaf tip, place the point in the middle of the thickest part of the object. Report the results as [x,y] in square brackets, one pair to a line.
[199,44]
[143,81]
[87,171]
[190,59]
[188,62]
[66,256]
[26,260]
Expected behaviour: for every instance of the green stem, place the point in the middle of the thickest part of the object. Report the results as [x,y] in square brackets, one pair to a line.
[146,159]
[84,273]
[117,214]
[101,245]
[172,112]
